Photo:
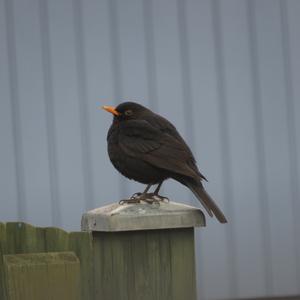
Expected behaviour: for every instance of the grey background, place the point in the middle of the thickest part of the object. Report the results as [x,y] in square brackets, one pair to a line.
[227,73]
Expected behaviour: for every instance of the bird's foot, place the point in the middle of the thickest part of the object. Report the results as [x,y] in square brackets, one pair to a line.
[135,198]
[136,195]
[154,198]
[150,198]
[130,201]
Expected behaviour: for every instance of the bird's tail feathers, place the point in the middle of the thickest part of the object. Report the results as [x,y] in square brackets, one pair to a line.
[207,202]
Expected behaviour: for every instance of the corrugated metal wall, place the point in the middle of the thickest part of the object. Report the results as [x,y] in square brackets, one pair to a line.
[227,73]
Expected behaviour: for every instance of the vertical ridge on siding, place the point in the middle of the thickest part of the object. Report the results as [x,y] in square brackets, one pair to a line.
[116,70]
[260,148]
[49,113]
[8,179]
[187,99]
[83,106]
[15,109]
[188,105]
[185,61]
[150,54]
[290,98]
[185,73]
[225,150]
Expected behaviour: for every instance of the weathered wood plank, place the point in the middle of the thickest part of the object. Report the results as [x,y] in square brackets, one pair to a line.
[56,239]
[145,265]
[2,252]
[42,276]
[24,238]
[182,255]
[81,244]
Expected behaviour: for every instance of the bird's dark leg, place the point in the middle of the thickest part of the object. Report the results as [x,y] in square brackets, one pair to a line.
[147,188]
[161,198]
[158,188]
[155,197]
[137,197]
[145,196]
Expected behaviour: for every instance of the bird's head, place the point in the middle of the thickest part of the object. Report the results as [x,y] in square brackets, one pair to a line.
[126,111]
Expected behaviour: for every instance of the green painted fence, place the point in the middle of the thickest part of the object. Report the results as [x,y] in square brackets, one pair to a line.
[42,276]
[22,238]
[49,263]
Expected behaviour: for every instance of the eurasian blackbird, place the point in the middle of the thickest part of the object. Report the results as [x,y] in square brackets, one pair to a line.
[146,147]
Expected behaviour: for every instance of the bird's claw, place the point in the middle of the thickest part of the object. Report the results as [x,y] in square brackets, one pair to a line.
[155,198]
[135,198]
[130,201]
[149,198]
[164,199]
[135,195]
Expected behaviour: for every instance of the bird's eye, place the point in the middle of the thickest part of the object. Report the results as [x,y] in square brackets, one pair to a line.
[128,112]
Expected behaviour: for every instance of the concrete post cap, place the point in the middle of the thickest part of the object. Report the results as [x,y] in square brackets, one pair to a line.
[142,216]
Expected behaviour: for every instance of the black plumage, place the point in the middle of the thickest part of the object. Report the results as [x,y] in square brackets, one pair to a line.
[146,147]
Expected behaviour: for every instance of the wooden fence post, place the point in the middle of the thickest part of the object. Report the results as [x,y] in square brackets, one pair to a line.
[144,251]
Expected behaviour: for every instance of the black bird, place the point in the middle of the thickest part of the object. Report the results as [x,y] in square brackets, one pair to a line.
[146,147]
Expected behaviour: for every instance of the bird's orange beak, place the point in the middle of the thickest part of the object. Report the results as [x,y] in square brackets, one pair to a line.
[110,109]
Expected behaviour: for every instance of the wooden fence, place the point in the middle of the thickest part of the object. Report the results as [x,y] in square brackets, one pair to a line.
[50,263]
[21,238]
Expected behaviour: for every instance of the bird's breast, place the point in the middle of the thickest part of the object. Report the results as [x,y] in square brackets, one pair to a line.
[131,166]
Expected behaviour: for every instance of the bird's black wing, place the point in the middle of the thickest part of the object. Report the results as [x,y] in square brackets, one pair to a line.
[138,138]
[167,127]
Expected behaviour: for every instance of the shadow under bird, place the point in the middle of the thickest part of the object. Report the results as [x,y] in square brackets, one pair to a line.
[147,148]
